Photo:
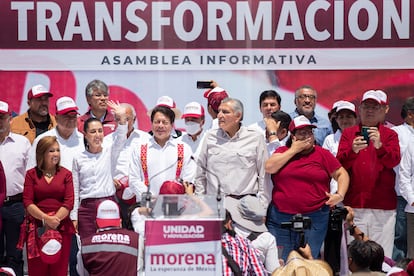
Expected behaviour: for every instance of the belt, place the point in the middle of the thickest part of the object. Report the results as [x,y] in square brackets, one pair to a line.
[13,198]
[241,196]
[88,201]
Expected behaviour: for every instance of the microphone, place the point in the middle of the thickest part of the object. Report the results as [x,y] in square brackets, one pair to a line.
[146,196]
[218,195]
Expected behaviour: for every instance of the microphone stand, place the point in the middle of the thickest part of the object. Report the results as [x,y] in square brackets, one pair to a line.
[147,196]
[218,195]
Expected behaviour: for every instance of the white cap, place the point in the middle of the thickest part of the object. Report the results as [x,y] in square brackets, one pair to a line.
[167,102]
[65,105]
[377,95]
[193,109]
[4,107]
[38,91]
[341,105]
[107,214]
[300,122]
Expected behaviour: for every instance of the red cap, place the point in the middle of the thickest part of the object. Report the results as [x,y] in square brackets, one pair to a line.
[38,91]
[124,194]
[50,246]
[215,96]
[171,187]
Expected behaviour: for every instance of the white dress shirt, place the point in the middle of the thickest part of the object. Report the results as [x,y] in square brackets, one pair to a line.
[194,145]
[272,146]
[406,172]
[265,243]
[162,166]
[92,177]
[14,152]
[405,137]
[69,148]
[134,141]
[331,143]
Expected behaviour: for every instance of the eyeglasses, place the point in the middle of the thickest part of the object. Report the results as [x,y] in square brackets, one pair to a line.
[304,96]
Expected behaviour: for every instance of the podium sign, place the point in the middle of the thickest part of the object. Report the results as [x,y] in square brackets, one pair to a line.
[183,247]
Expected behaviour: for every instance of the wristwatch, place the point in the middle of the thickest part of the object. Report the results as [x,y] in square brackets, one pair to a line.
[272,133]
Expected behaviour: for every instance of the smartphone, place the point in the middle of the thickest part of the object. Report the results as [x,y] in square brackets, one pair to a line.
[204,84]
[364,132]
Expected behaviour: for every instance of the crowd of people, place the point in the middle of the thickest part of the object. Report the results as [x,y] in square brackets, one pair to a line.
[68,180]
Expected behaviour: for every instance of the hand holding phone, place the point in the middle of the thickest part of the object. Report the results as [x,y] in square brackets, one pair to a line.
[204,84]
[365,134]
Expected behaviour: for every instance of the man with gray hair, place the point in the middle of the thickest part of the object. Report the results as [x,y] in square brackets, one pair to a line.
[305,101]
[97,93]
[231,159]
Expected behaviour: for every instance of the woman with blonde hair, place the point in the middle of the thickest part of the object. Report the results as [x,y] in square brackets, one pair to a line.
[48,199]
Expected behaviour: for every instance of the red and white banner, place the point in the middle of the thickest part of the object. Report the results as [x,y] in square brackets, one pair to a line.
[146,49]
[183,247]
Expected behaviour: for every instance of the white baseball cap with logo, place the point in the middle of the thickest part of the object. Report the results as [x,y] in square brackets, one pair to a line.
[38,91]
[107,214]
[377,95]
[300,122]
[65,105]
[193,109]
[341,105]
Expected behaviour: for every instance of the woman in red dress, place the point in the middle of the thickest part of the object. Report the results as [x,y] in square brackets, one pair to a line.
[48,198]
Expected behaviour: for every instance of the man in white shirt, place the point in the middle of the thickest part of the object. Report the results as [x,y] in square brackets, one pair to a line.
[405,133]
[14,149]
[194,122]
[162,155]
[120,173]
[70,143]
[69,138]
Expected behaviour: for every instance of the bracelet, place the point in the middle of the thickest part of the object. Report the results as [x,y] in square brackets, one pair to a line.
[272,133]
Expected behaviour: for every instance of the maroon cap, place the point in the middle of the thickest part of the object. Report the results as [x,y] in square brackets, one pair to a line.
[215,96]
[171,187]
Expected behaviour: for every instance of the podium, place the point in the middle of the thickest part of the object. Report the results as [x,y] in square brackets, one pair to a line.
[183,237]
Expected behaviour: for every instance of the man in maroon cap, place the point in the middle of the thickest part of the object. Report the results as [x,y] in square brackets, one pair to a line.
[37,119]
[214,97]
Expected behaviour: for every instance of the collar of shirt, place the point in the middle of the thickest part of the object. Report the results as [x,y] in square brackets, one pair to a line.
[102,119]
[224,134]
[170,142]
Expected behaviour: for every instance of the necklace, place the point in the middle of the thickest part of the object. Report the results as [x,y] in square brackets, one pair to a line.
[48,174]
